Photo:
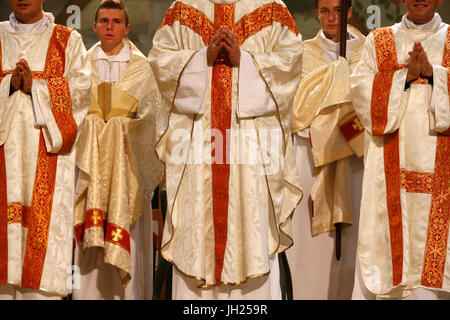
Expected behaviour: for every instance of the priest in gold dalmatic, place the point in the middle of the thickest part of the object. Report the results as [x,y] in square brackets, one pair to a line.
[227,71]
[328,142]
[44,97]
[117,165]
[400,92]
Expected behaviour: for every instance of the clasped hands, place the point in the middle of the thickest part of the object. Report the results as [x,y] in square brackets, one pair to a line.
[22,77]
[226,41]
[419,66]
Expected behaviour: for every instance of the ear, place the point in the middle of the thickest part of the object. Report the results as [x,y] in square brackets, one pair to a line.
[440,2]
[350,12]
[95,27]
[127,30]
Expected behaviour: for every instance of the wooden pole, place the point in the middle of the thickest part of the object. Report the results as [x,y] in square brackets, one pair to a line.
[343,53]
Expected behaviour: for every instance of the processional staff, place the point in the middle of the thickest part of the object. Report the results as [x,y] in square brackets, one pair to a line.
[342,52]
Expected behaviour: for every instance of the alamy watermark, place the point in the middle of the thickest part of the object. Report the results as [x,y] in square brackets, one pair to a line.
[262,148]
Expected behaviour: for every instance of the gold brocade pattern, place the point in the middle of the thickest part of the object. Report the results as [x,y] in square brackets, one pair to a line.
[119,169]
[416,182]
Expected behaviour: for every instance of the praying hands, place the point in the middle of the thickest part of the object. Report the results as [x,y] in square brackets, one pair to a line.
[224,40]
[419,66]
[22,77]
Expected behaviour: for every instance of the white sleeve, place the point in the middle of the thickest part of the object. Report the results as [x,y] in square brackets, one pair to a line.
[194,81]
[254,97]
[37,85]
[440,102]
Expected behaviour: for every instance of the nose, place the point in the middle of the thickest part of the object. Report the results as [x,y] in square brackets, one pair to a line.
[332,17]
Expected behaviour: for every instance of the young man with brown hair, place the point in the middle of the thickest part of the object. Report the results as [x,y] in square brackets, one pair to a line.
[118,168]
[327,141]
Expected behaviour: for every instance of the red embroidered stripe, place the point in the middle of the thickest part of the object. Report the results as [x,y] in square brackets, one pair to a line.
[59,89]
[118,236]
[41,208]
[392,174]
[352,128]
[94,218]
[261,18]
[79,230]
[438,224]
[416,182]
[221,101]
[18,213]
[387,65]
[190,17]
[246,27]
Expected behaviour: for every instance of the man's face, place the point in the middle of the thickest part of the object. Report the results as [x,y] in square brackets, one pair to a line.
[329,16]
[422,11]
[111,27]
[27,11]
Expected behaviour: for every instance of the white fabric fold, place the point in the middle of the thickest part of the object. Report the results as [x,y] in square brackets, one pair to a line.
[254,96]
[440,103]
[4,96]
[195,79]
[14,25]
[110,68]
[38,84]
[331,49]
[433,24]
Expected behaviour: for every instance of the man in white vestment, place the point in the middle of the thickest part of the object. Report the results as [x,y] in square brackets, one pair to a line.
[400,92]
[327,140]
[227,71]
[44,97]
[118,167]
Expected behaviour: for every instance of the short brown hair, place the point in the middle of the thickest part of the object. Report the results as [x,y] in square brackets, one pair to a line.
[113,4]
[349,3]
